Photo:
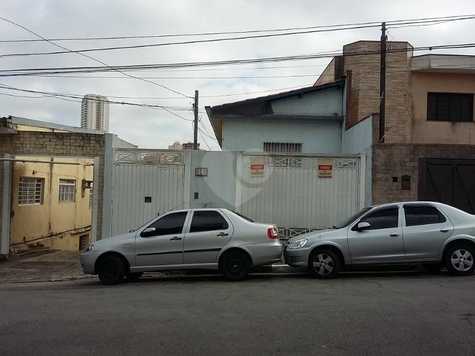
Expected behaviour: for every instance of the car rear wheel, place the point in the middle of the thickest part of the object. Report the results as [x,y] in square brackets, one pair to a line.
[111,270]
[459,259]
[324,264]
[235,265]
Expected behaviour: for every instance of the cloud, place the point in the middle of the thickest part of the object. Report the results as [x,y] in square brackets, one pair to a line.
[154,128]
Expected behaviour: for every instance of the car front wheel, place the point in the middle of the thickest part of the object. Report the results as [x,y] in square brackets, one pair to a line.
[111,270]
[324,264]
[459,259]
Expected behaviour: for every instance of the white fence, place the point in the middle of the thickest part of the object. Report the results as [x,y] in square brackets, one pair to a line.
[296,192]
[296,195]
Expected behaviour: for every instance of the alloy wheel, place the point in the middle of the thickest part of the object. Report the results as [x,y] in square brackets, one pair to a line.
[462,260]
[323,264]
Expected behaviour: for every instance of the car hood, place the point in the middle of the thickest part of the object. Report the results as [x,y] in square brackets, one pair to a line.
[319,234]
[114,240]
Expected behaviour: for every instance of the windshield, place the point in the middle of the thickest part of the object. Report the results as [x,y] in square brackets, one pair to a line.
[352,218]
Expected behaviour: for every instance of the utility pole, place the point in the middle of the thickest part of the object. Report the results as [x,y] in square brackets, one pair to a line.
[195,122]
[382,83]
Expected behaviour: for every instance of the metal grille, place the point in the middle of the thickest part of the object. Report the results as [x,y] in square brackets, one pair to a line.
[282,147]
[67,190]
[30,190]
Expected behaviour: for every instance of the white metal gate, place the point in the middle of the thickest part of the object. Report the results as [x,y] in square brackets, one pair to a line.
[144,184]
[300,192]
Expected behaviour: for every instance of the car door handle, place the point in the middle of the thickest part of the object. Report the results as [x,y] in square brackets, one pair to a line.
[222,234]
[444,230]
[175,238]
[394,235]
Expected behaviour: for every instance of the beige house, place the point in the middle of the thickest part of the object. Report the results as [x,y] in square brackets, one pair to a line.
[48,173]
[427,150]
[51,202]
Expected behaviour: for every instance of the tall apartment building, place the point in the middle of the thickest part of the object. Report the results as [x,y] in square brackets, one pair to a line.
[95,112]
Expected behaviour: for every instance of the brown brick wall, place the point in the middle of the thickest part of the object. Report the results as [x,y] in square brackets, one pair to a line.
[328,74]
[396,160]
[364,94]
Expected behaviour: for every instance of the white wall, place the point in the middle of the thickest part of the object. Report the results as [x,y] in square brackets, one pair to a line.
[316,135]
[326,102]
[358,139]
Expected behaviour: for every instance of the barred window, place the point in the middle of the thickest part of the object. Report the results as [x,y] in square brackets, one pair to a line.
[67,190]
[30,190]
[282,147]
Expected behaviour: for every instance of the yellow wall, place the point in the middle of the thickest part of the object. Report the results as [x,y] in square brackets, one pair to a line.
[424,131]
[52,216]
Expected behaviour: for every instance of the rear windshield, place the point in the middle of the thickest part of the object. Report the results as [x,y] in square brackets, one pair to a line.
[242,216]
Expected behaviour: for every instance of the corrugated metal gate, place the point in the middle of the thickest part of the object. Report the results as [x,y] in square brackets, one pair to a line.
[300,193]
[145,183]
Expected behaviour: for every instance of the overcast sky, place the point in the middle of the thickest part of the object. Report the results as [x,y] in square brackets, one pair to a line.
[153,128]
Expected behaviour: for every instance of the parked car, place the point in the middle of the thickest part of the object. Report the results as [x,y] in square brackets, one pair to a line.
[185,239]
[405,233]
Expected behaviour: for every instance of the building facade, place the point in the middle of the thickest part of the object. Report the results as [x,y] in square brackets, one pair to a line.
[307,120]
[95,112]
[424,148]
[427,149]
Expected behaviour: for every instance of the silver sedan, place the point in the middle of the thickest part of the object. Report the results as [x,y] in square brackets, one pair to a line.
[185,239]
[405,233]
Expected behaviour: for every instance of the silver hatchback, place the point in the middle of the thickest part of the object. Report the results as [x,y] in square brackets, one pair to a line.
[427,233]
[185,239]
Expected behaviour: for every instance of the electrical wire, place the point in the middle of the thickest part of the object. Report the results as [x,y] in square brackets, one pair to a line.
[88,56]
[72,70]
[80,97]
[285,29]
[184,78]
[153,45]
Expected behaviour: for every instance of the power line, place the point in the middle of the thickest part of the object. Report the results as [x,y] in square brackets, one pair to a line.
[222,39]
[79,97]
[285,29]
[72,70]
[183,78]
[88,56]
[209,40]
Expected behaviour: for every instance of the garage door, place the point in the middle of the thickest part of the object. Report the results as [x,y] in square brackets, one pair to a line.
[448,181]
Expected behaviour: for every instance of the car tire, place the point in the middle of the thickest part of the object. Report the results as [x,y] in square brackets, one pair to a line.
[235,265]
[324,264]
[460,259]
[134,277]
[111,270]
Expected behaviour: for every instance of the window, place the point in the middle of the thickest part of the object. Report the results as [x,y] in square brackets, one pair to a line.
[384,218]
[207,221]
[282,147]
[67,190]
[30,190]
[167,225]
[449,107]
[422,215]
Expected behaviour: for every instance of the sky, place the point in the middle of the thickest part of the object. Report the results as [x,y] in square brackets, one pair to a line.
[155,128]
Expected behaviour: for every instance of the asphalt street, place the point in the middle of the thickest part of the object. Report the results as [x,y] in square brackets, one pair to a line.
[402,313]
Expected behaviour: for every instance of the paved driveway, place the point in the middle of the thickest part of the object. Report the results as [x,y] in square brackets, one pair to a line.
[358,314]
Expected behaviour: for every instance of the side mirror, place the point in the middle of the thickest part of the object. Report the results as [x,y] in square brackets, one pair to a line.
[148,231]
[363,225]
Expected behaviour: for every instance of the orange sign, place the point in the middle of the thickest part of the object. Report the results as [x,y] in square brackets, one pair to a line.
[257,169]
[325,169]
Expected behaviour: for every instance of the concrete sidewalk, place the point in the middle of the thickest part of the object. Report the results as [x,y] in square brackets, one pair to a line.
[48,267]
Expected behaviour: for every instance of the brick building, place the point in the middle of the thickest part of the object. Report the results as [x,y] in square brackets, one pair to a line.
[428,148]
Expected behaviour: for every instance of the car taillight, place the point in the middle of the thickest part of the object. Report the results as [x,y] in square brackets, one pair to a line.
[272,233]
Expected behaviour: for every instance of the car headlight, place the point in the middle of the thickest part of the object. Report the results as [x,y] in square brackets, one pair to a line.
[90,248]
[297,243]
